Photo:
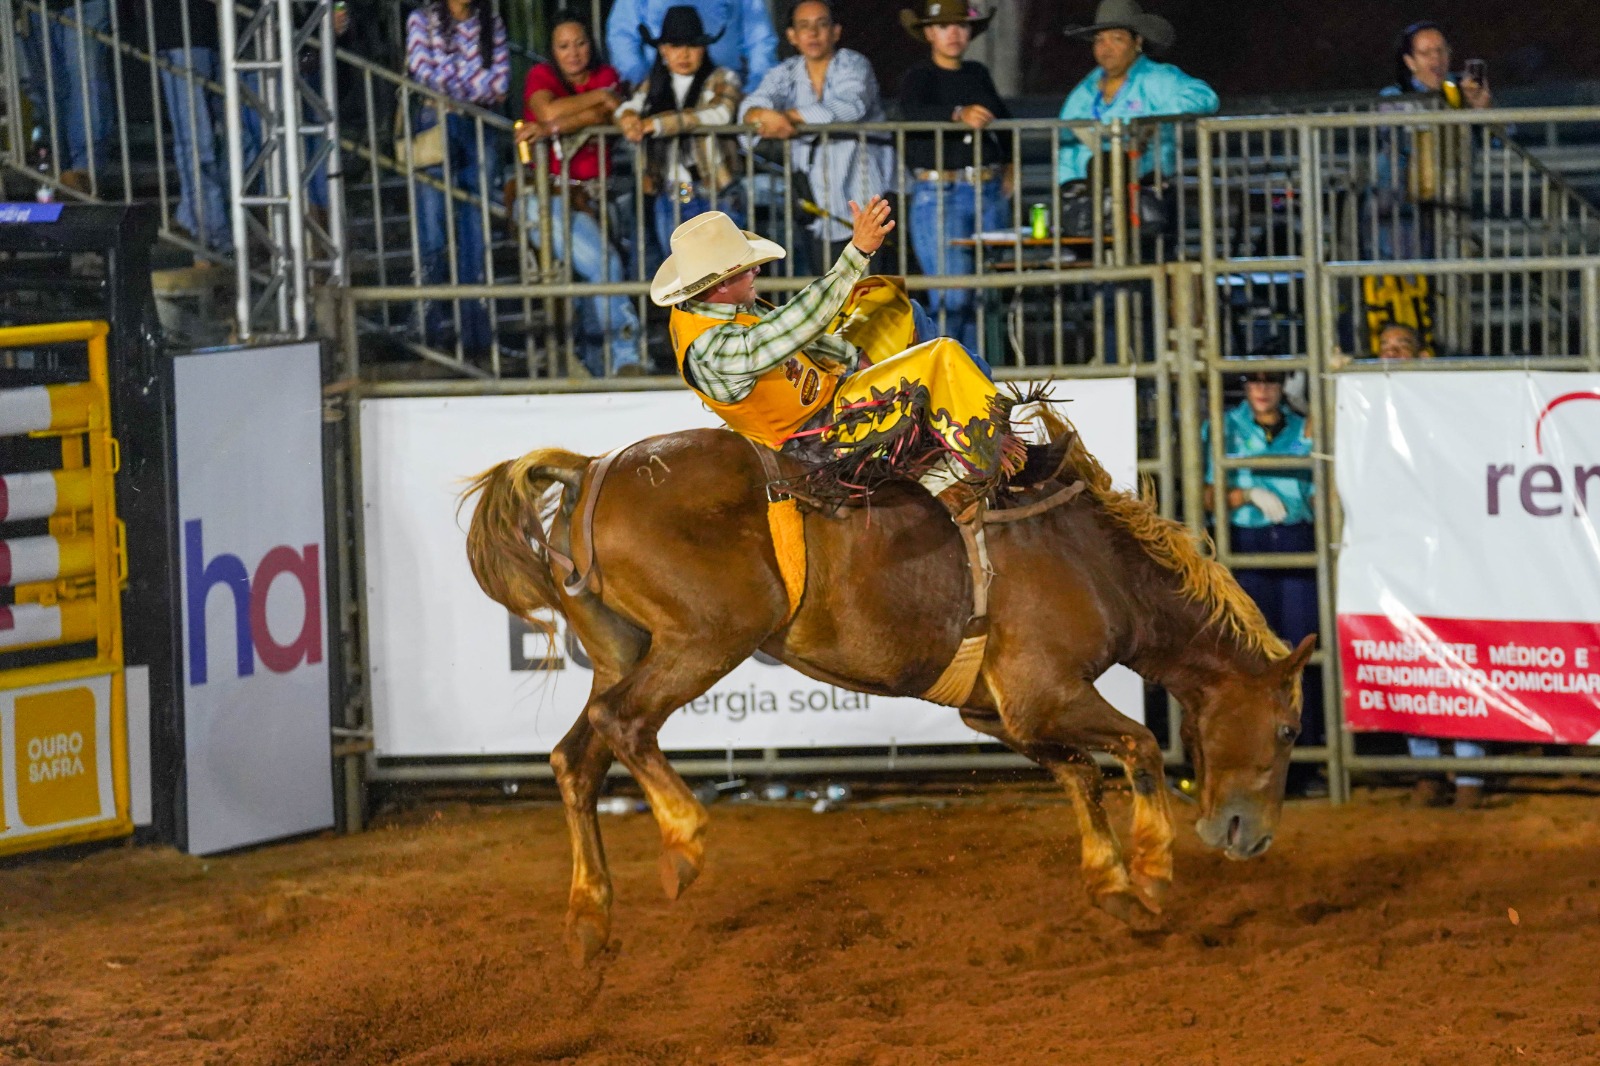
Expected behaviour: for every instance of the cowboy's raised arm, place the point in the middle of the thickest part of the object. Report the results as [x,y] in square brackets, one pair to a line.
[727,359]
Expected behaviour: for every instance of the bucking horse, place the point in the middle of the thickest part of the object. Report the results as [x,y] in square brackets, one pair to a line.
[674,577]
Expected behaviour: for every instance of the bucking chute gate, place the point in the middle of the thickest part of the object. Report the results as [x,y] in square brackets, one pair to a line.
[63,564]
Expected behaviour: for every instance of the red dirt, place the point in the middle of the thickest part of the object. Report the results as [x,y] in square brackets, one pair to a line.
[1373,933]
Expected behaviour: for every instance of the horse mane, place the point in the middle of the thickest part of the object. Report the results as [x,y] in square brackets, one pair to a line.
[1201,579]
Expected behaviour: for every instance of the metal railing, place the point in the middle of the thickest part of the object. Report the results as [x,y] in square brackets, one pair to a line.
[1267,242]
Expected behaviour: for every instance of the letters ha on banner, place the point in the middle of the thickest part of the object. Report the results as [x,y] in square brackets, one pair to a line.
[253,546]
[454,674]
[1469,578]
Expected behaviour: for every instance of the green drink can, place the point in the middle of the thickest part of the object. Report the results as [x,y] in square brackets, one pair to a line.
[1039,222]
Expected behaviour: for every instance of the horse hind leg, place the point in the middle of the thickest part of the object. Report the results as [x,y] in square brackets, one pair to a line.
[580,762]
[1105,876]
[629,715]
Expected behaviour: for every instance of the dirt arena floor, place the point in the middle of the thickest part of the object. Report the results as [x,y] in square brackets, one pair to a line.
[946,930]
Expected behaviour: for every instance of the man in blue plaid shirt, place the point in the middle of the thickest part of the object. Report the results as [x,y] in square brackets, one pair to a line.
[825,84]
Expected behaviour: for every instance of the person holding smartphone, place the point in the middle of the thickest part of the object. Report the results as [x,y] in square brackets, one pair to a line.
[1422,65]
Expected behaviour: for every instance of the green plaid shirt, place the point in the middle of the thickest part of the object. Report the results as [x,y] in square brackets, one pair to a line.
[725,361]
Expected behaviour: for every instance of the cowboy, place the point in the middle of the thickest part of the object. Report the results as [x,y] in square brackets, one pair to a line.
[1127,84]
[777,375]
[966,183]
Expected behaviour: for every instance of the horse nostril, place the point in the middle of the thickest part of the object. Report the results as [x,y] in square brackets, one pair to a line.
[1261,845]
[1235,825]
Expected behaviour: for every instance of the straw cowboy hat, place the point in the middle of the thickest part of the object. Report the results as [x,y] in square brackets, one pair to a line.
[943,13]
[1128,15]
[706,250]
[681,25]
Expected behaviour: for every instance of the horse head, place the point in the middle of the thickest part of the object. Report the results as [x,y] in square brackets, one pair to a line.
[1239,738]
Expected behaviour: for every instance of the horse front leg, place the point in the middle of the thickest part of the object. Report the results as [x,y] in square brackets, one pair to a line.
[1105,876]
[1094,724]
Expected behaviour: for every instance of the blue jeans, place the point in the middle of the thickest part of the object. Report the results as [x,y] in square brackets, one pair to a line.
[202,200]
[927,329]
[85,135]
[670,213]
[938,256]
[1288,601]
[592,260]
[461,144]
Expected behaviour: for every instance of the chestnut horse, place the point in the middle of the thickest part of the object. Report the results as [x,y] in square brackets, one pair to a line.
[688,586]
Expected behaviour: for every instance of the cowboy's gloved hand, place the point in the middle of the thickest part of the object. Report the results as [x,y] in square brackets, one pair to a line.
[1269,503]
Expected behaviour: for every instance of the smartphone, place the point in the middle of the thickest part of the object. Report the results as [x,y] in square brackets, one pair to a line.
[1476,70]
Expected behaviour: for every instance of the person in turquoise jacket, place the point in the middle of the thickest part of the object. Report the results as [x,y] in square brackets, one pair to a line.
[1128,84]
[1271,511]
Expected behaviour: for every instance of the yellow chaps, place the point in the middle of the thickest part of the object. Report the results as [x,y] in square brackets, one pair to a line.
[945,387]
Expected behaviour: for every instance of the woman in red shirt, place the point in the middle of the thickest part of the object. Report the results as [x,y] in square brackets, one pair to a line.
[559,101]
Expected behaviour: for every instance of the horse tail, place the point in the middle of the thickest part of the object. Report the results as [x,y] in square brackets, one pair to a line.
[506,543]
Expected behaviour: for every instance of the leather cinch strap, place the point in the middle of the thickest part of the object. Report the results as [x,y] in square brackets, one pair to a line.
[956,683]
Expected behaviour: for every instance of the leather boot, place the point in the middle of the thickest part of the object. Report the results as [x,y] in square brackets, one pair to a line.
[965,501]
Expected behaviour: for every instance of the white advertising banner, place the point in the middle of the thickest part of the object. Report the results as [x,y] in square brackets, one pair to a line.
[250,503]
[453,674]
[1469,577]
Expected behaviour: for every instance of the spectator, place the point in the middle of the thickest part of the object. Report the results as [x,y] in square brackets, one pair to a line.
[68,62]
[687,175]
[945,88]
[1128,84]
[1271,511]
[559,100]
[1401,214]
[457,48]
[748,44]
[824,84]
[1399,341]
[1422,65]
[185,35]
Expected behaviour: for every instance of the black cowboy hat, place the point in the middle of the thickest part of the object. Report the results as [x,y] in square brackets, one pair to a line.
[681,25]
[943,13]
[1127,15]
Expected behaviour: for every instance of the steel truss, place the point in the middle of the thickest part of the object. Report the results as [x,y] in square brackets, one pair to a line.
[282,133]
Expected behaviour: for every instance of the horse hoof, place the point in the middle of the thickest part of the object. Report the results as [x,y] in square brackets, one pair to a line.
[678,872]
[587,935]
[1152,892]
[1130,910]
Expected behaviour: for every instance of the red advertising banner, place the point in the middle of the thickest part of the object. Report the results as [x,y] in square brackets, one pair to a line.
[1472,678]
[1469,568]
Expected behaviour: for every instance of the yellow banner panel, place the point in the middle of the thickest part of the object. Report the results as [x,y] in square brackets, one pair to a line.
[56,772]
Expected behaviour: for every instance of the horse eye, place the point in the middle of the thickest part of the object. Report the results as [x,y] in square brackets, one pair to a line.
[1287,734]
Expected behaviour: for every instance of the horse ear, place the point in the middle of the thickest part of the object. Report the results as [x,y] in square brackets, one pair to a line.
[1298,658]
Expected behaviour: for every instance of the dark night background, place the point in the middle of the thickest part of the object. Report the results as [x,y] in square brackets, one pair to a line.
[1255,47]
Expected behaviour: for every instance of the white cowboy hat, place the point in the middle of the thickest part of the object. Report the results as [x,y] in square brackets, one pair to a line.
[708,249]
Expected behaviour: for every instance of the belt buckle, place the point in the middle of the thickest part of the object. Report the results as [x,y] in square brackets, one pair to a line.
[685,191]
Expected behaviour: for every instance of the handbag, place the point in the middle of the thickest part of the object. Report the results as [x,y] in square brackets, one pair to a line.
[425,148]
